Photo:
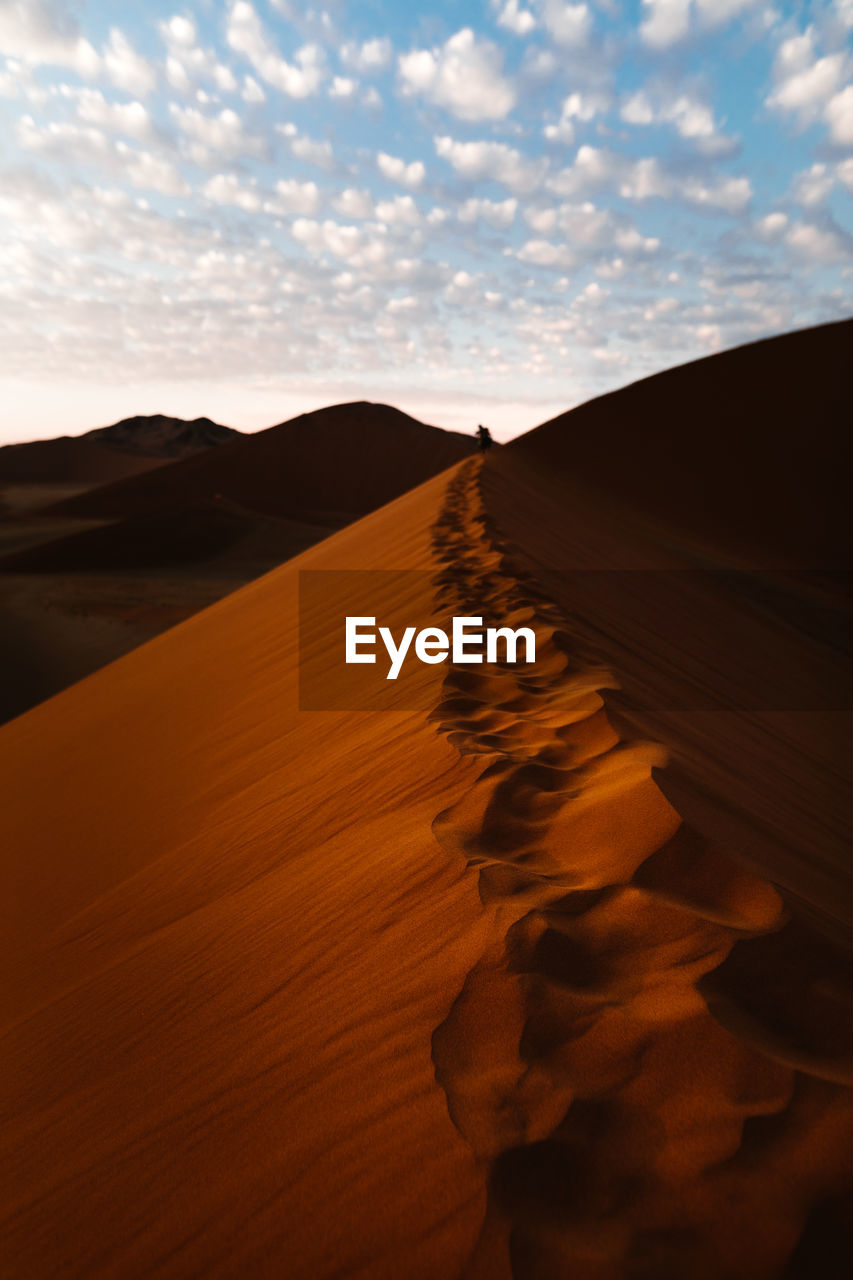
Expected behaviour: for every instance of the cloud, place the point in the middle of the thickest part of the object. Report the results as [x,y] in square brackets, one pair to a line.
[811,88]
[343,87]
[542,253]
[839,116]
[129,119]
[214,137]
[585,230]
[577,106]
[771,226]
[395,170]
[465,76]
[126,68]
[45,32]
[88,146]
[666,22]
[188,64]
[399,211]
[492,161]
[292,196]
[225,188]
[812,186]
[300,79]
[368,57]
[510,15]
[497,213]
[643,179]
[692,118]
[568,25]
[354,203]
[314,151]
[824,243]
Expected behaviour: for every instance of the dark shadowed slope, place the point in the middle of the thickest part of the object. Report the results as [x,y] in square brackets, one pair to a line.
[206,530]
[69,460]
[747,451]
[344,460]
[710,504]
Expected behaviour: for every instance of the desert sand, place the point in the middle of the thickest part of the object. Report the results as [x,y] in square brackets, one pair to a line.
[543,973]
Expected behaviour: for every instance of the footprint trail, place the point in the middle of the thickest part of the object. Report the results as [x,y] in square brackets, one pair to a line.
[625,1132]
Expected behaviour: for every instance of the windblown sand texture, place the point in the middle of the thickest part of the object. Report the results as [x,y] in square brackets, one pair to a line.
[455,992]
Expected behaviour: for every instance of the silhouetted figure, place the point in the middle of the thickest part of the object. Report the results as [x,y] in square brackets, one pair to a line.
[484,435]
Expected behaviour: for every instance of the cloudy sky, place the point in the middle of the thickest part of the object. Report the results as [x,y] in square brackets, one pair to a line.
[478,210]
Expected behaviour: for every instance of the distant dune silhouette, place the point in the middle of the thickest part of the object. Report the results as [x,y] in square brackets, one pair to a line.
[341,461]
[109,453]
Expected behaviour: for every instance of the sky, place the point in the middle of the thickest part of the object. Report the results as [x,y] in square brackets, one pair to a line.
[477,211]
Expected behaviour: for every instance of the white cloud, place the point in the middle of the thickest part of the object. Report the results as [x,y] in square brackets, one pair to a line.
[311,150]
[246,35]
[367,57]
[771,226]
[222,135]
[180,31]
[124,118]
[510,15]
[252,91]
[492,161]
[542,253]
[596,168]
[343,87]
[465,76]
[497,213]
[568,24]
[666,22]
[638,109]
[126,68]
[44,32]
[353,203]
[577,106]
[87,146]
[395,170]
[188,64]
[292,196]
[151,172]
[732,195]
[225,188]
[839,116]
[593,167]
[399,211]
[812,88]
[821,243]
[812,186]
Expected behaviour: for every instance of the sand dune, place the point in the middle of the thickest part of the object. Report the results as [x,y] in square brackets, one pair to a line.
[338,462]
[460,988]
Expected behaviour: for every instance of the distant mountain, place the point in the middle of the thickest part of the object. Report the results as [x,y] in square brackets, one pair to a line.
[126,448]
[331,465]
[156,435]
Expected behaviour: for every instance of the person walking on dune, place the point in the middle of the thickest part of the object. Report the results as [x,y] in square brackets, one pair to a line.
[484,436]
